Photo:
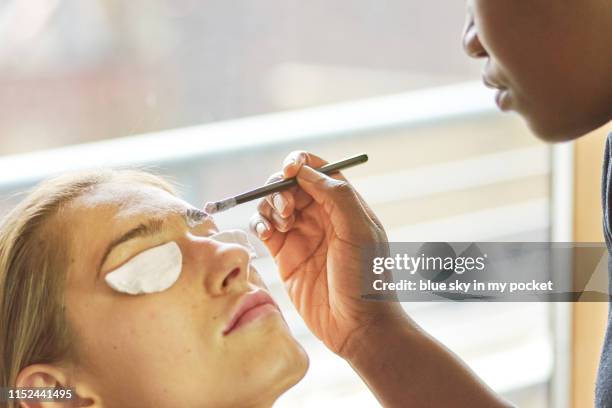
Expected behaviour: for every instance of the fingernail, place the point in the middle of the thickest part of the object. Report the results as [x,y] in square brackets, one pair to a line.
[279,203]
[289,163]
[260,228]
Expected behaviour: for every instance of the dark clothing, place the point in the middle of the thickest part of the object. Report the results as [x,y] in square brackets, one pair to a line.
[603,389]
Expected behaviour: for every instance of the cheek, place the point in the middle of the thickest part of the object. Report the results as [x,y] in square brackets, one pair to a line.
[140,347]
[157,334]
[521,49]
[497,31]
[523,39]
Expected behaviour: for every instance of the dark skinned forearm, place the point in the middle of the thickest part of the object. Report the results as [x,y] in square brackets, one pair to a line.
[405,367]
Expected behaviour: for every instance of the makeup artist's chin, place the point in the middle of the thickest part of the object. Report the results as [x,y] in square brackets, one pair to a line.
[549,125]
[544,125]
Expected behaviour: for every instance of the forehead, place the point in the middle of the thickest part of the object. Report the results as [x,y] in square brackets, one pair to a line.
[94,219]
[121,200]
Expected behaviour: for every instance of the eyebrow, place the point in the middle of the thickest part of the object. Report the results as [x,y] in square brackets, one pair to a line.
[148,228]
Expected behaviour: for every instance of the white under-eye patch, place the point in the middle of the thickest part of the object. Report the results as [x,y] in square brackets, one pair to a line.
[152,270]
[235,237]
[157,269]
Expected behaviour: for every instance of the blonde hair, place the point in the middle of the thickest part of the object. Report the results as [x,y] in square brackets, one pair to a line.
[33,328]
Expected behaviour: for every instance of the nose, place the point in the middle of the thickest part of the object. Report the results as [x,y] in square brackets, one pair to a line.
[225,266]
[471,42]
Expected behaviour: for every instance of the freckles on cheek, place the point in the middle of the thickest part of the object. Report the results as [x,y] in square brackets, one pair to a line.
[200,315]
[136,322]
[172,325]
[153,315]
[138,334]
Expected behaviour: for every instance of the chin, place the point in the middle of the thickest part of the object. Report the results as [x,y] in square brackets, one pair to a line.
[288,360]
[552,131]
[271,360]
[559,128]
[552,135]
[293,368]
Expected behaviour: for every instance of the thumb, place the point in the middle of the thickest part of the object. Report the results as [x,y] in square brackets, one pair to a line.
[339,201]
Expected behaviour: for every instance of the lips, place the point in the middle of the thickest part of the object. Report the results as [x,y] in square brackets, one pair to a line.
[252,306]
[502,94]
[492,83]
[502,99]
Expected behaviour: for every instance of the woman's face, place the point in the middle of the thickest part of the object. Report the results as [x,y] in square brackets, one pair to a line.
[550,60]
[170,348]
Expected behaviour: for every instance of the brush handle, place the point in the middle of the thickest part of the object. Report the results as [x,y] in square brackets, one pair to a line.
[271,188]
[275,187]
[281,185]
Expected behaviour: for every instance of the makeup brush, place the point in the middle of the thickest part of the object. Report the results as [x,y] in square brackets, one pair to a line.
[274,187]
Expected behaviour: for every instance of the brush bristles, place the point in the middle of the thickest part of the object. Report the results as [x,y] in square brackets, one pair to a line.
[210,208]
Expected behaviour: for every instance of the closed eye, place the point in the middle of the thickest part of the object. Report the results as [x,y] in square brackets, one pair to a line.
[199,222]
[152,227]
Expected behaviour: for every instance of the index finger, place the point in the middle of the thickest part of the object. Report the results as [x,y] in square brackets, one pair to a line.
[298,158]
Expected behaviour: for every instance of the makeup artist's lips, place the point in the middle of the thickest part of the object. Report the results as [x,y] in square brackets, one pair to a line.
[491,83]
[502,99]
[252,306]
[502,95]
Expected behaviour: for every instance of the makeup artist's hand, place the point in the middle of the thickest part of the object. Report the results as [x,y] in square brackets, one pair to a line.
[316,233]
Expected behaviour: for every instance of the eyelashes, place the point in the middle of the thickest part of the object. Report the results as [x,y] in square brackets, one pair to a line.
[195,216]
